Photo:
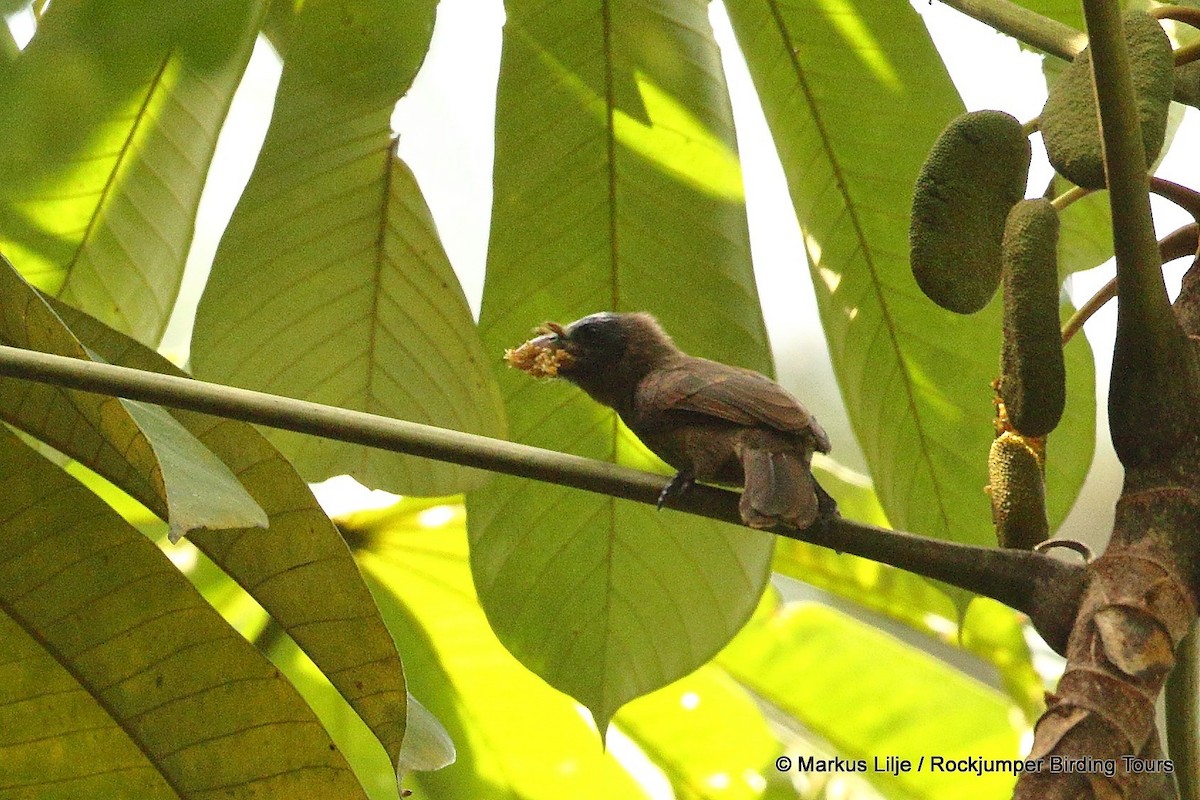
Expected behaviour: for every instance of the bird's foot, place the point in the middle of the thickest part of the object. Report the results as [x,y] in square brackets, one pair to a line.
[827,507]
[676,487]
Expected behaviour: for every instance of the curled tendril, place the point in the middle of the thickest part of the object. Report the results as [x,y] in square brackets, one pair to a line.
[1067,544]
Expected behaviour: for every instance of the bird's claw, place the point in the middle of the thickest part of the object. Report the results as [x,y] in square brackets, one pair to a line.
[674,488]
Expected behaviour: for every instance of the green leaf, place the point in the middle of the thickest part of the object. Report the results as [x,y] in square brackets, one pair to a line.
[1085,234]
[916,379]
[870,696]
[516,737]
[617,186]
[299,569]
[140,449]
[1072,445]
[895,593]
[1068,12]
[201,492]
[427,745]
[707,735]
[110,127]
[9,51]
[854,492]
[986,628]
[330,283]
[118,679]
[996,633]
[901,595]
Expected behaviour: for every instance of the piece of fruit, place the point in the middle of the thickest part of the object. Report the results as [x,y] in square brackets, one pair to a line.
[1070,122]
[1018,491]
[1032,371]
[974,174]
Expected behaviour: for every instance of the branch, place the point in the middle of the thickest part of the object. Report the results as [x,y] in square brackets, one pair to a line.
[1140,600]
[1024,25]
[1044,588]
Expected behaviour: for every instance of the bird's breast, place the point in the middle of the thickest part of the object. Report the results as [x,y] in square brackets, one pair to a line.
[695,443]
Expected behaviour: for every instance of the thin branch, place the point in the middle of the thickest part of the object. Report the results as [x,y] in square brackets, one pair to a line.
[1188,54]
[1024,25]
[1179,243]
[1186,198]
[1188,16]
[1043,587]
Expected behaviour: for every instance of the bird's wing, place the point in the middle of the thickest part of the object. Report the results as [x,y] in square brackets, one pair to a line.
[738,395]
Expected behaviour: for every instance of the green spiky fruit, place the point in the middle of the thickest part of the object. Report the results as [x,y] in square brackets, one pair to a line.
[1018,492]
[1032,372]
[1070,122]
[975,172]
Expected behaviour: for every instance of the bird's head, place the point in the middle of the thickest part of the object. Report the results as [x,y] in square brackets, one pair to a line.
[604,353]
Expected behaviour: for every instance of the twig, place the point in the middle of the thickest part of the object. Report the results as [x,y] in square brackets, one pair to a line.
[1177,244]
[1044,588]
[1182,196]
[1188,16]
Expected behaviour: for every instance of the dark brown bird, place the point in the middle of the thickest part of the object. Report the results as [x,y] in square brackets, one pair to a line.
[712,422]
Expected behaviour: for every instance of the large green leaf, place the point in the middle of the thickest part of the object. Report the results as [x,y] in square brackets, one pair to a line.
[299,569]
[1085,236]
[986,628]
[110,125]
[427,745]
[118,680]
[871,696]
[1072,445]
[854,98]
[911,599]
[1068,12]
[517,739]
[330,283]
[617,186]
[996,633]
[138,447]
[685,729]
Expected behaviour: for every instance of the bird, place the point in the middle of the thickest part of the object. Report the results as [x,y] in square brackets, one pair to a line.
[712,422]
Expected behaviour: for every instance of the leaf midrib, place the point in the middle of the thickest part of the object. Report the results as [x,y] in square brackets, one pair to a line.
[864,248]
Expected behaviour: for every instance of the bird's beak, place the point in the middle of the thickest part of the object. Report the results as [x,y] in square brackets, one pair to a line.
[553,336]
[550,341]
[543,356]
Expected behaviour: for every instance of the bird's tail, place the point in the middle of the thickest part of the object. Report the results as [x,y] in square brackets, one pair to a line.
[780,489]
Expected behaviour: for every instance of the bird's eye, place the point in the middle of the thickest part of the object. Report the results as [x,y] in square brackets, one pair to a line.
[586,334]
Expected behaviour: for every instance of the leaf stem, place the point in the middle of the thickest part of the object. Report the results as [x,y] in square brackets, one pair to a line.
[1072,195]
[1188,16]
[1024,25]
[1043,587]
